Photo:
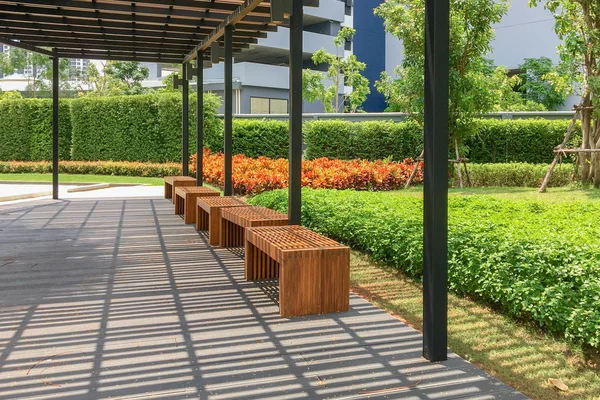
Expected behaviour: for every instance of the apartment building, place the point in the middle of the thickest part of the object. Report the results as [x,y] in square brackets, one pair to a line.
[261,85]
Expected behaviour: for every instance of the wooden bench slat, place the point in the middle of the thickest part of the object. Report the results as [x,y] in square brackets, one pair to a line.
[313,270]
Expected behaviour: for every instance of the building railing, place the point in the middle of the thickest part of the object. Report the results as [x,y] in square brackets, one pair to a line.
[398,117]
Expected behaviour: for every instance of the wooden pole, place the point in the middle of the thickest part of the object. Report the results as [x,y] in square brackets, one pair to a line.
[460,181]
[559,152]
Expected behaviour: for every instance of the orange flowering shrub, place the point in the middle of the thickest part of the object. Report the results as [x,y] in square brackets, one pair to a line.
[256,175]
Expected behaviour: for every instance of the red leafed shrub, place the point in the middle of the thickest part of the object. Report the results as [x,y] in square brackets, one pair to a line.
[256,175]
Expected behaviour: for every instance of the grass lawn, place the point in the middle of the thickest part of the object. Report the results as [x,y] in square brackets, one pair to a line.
[82,178]
[519,354]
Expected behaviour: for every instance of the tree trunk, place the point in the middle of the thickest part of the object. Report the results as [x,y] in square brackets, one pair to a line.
[587,134]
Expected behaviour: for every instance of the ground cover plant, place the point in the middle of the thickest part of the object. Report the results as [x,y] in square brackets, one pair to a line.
[520,255]
[517,353]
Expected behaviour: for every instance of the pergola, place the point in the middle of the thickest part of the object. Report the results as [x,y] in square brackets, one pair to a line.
[210,31]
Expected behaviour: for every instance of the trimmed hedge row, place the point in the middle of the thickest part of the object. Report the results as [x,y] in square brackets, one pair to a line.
[148,128]
[518,175]
[26,130]
[497,141]
[506,252]
[138,128]
[121,168]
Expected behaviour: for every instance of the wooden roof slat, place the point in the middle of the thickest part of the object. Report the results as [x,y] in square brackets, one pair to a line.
[138,30]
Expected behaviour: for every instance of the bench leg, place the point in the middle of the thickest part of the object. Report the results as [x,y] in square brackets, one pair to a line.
[189,216]
[178,207]
[316,284]
[168,191]
[201,219]
[249,261]
[214,223]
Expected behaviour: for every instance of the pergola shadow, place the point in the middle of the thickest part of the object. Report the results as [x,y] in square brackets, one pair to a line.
[118,299]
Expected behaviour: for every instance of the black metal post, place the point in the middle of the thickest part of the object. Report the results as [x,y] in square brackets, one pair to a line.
[435,222]
[295,151]
[228,117]
[185,123]
[199,116]
[55,82]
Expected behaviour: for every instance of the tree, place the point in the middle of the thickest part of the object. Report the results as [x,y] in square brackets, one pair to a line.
[577,23]
[101,83]
[131,73]
[542,82]
[37,68]
[341,71]
[472,92]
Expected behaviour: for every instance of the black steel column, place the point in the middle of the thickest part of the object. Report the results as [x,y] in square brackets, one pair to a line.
[228,117]
[185,123]
[199,116]
[295,151]
[55,82]
[435,224]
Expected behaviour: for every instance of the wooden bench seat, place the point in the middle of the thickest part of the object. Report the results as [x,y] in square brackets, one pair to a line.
[234,222]
[185,200]
[172,182]
[313,271]
[208,215]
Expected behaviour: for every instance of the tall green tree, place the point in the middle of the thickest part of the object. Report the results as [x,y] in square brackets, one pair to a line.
[472,92]
[543,82]
[577,23]
[37,69]
[100,83]
[131,73]
[342,71]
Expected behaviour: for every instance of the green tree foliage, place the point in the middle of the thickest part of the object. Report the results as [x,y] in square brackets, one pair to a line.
[476,87]
[101,83]
[40,73]
[130,73]
[542,82]
[342,71]
[577,22]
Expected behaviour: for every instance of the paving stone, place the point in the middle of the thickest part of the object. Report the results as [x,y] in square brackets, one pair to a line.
[119,299]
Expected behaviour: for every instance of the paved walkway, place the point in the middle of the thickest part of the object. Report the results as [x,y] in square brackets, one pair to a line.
[119,299]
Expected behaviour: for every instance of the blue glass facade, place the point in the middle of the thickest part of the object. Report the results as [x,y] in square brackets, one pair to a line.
[369,47]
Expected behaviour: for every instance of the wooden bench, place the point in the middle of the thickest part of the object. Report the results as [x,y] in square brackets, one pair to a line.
[172,182]
[234,222]
[208,215]
[313,271]
[185,200]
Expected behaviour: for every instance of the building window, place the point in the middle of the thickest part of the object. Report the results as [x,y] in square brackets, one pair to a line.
[264,105]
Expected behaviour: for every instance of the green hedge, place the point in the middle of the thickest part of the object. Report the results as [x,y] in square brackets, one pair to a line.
[26,130]
[518,175]
[517,254]
[120,168]
[497,141]
[138,128]
[373,140]
[148,128]
[509,141]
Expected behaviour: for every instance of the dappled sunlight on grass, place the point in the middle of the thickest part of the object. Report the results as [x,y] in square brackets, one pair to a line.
[519,354]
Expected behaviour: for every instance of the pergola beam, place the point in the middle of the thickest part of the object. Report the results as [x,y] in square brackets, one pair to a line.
[171,11]
[11,42]
[233,19]
[295,122]
[129,25]
[435,198]
[55,155]
[209,19]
